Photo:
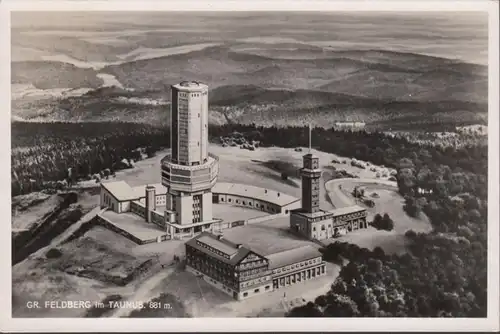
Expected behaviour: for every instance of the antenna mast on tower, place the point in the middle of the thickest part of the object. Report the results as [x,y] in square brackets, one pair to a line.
[310,135]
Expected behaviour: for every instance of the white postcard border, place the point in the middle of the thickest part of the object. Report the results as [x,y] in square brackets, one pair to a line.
[7,323]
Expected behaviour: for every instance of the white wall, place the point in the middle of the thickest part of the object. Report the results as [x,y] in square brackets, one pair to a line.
[124,207]
[184,208]
[206,199]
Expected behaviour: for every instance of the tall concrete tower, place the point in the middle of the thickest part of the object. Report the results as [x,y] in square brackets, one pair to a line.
[189,171]
[310,174]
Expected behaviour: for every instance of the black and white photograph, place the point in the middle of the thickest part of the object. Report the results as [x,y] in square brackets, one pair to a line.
[273,164]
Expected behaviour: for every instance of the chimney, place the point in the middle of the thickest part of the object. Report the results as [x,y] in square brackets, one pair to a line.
[219,237]
[150,202]
[238,246]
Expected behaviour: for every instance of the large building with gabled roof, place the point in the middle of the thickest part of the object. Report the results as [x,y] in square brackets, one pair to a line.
[241,272]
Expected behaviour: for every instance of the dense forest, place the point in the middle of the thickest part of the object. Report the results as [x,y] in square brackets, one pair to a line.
[43,153]
[444,273]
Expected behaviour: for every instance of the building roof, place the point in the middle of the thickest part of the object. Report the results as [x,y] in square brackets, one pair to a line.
[142,204]
[123,192]
[225,246]
[335,212]
[244,190]
[292,256]
[317,214]
[191,86]
[120,190]
[347,210]
[140,191]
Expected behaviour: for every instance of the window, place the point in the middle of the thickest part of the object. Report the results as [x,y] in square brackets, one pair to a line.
[256,290]
[267,287]
[229,200]
[314,228]
[245,294]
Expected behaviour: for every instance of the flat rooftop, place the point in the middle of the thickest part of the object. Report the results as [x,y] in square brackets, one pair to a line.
[320,213]
[245,190]
[336,212]
[190,86]
[291,256]
[347,210]
[134,225]
[266,237]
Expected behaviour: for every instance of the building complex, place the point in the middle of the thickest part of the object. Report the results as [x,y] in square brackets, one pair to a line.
[181,207]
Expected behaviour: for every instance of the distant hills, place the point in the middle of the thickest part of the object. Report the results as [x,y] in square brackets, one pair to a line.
[383,88]
[53,74]
[376,74]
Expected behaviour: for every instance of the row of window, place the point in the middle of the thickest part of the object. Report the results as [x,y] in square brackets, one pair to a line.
[252,264]
[207,259]
[323,227]
[229,200]
[298,265]
[191,94]
[255,281]
[306,275]
[245,294]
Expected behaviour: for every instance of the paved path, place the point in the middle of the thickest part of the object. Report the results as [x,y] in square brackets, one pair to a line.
[339,199]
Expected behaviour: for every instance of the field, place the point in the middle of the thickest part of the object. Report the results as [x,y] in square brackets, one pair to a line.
[40,278]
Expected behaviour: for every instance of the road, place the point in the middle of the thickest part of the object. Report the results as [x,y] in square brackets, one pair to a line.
[339,199]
